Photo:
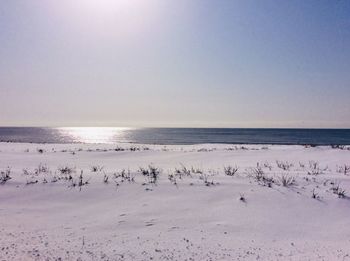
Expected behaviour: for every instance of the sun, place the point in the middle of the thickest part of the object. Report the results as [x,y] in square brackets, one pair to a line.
[116,18]
[113,6]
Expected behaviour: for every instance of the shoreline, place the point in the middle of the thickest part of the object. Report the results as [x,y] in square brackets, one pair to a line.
[333,146]
[185,144]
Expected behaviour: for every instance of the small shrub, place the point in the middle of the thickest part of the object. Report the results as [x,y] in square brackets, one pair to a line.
[230,171]
[267,165]
[5,175]
[285,165]
[257,173]
[154,173]
[66,170]
[144,171]
[37,171]
[196,171]
[183,171]
[268,181]
[172,179]
[134,149]
[26,172]
[315,195]
[178,173]
[80,182]
[151,173]
[205,178]
[54,179]
[341,193]
[260,177]
[242,197]
[186,171]
[286,181]
[119,149]
[41,169]
[96,168]
[345,169]
[31,181]
[124,175]
[315,169]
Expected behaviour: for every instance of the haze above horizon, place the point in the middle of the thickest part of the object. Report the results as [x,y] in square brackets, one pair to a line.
[199,63]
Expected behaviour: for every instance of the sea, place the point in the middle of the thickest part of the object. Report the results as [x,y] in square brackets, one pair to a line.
[168,136]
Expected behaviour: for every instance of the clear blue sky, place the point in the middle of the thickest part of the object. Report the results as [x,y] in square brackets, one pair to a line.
[175,63]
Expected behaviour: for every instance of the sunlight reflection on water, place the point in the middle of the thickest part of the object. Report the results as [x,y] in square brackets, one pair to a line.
[95,134]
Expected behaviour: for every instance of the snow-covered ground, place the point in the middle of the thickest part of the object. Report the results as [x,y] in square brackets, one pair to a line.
[283,203]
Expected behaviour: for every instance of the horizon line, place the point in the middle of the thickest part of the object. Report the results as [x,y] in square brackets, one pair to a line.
[182,127]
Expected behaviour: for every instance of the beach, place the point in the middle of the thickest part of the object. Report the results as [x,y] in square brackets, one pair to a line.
[151,130]
[174,202]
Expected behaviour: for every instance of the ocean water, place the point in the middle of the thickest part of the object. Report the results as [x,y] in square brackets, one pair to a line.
[169,136]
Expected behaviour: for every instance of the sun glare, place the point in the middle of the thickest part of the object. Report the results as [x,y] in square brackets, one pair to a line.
[132,8]
[120,18]
[109,5]
[94,134]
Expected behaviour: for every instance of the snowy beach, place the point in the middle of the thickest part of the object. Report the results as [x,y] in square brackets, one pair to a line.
[202,130]
[191,202]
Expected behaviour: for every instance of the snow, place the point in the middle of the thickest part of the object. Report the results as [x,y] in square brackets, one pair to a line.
[192,220]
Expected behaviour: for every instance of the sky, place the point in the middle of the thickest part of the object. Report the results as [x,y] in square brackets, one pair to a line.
[175,63]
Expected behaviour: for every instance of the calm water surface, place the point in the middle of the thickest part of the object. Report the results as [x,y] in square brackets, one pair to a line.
[175,135]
